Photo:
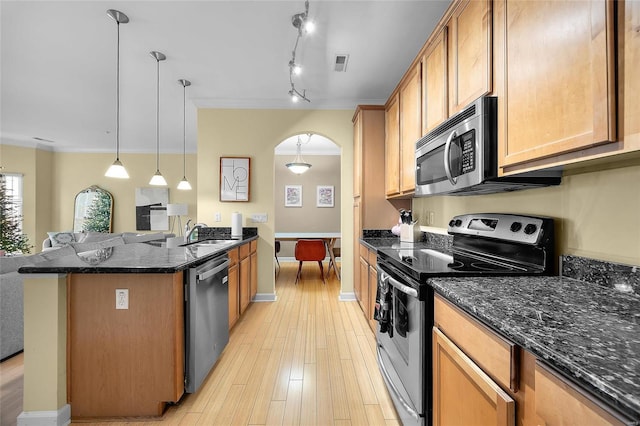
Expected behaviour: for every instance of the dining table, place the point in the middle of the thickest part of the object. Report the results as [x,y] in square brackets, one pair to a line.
[329,238]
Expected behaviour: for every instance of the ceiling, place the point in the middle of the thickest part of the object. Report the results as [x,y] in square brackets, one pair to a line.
[58,64]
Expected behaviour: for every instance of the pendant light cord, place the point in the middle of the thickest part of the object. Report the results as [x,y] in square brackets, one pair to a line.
[184,131]
[118,95]
[158,116]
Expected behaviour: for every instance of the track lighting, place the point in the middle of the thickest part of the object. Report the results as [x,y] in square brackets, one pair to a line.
[304,25]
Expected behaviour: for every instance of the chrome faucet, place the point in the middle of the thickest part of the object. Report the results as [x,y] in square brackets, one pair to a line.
[186,230]
[189,233]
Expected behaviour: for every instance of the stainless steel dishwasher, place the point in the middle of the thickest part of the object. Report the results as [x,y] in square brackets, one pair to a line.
[206,318]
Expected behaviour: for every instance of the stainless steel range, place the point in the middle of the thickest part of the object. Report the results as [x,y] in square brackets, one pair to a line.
[483,244]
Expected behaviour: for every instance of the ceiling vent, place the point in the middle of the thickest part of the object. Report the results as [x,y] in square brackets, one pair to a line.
[341,63]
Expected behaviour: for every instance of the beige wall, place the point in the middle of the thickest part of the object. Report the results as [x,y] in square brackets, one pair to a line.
[52,180]
[255,133]
[597,212]
[325,170]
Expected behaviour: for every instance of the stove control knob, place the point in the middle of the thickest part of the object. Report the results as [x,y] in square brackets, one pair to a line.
[458,222]
[452,223]
[516,226]
[530,229]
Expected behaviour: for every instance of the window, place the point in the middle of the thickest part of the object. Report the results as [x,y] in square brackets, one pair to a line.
[13,185]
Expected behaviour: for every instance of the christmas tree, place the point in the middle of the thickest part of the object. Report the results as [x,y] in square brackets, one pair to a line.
[98,217]
[12,240]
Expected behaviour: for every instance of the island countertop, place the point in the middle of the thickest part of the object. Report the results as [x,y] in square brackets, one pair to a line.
[149,257]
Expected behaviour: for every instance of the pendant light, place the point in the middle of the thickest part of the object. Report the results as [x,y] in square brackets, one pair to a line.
[117,170]
[299,166]
[184,183]
[157,179]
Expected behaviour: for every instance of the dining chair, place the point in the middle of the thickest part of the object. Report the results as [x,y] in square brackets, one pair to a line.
[310,250]
[277,250]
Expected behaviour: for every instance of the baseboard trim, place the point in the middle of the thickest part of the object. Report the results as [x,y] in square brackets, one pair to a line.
[265,297]
[61,417]
[347,297]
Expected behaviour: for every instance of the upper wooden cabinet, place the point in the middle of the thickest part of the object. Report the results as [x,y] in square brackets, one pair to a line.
[392,146]
[469,41]
[435,103]
[628,65]
[558,79]
[403,128]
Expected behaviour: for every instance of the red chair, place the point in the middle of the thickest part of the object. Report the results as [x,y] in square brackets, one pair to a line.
[310,250]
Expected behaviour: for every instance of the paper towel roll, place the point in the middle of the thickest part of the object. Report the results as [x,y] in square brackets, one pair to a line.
[236,224]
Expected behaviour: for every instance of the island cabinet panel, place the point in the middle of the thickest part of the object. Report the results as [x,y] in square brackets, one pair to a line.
[559,78]
[124,362]
[559,402]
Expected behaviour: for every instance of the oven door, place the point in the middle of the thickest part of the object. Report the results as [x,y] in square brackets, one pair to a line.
[404,350]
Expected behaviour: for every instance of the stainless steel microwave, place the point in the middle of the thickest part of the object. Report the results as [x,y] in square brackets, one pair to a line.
[460,157]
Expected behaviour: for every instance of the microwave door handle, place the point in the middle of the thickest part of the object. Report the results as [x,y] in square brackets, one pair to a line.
[447,166]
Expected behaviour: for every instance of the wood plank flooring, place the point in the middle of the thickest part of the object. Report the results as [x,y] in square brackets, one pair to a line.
[306,359]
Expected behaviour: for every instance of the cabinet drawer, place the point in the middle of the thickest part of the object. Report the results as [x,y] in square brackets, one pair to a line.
[244,250]
[364,252]
[233,256]
[372,257]
[495,355]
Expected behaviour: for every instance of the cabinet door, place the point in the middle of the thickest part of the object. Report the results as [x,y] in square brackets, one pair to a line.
[373,287]
[560,79]
[558,402]
[410,128]
[462,393]
[245,275]
[392,147]
[363,286]
[254,275]
[234,302]
[435,108]
[469,53]
[629,53]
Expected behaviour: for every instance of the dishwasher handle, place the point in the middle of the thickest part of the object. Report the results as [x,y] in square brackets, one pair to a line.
[207,273]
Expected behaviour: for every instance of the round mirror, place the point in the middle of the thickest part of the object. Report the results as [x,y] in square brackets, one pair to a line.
[93,210]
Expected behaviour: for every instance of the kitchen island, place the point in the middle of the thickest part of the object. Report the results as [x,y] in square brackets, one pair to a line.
[85,357]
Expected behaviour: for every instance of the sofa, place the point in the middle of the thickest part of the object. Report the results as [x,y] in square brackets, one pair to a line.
[11,285]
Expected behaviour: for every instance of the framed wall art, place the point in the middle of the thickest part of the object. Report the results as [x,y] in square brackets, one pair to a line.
[235,176]
[324,195]
[151,209]
[293,195]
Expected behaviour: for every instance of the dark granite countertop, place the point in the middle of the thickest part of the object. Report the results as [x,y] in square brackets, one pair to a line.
[588,332]
[150,257]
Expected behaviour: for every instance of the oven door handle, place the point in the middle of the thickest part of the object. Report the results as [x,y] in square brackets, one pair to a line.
[447,158]
[392,386]
[410,291]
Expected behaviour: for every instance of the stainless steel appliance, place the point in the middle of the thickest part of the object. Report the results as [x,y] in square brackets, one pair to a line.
[460,157]
[206,318]
[483,244]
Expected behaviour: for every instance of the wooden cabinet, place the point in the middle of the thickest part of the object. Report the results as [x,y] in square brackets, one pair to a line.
[392,146]
[559,402]
[367,283]
[234,286]
[463,394]
[628,66]
[254,268]
[470,363]
[558,79]
[435,102]
[469,53]
[124,362]
[404,128]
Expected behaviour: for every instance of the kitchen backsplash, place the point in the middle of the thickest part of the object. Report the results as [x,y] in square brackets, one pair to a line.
[625,278]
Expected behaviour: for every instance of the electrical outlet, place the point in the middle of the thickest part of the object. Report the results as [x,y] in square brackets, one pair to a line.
[218,217]
[259,217]
[122,298]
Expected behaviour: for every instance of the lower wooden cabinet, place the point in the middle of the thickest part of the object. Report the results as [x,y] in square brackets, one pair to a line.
[463,394]
[254,269]
[367,284]
[234,287]
[559,402]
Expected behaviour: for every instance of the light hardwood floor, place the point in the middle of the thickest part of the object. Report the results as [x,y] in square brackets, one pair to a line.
[305,359]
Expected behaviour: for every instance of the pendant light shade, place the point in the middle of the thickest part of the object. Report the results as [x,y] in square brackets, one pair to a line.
[298,165]
[117,170]
[157,179]
[184,183]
